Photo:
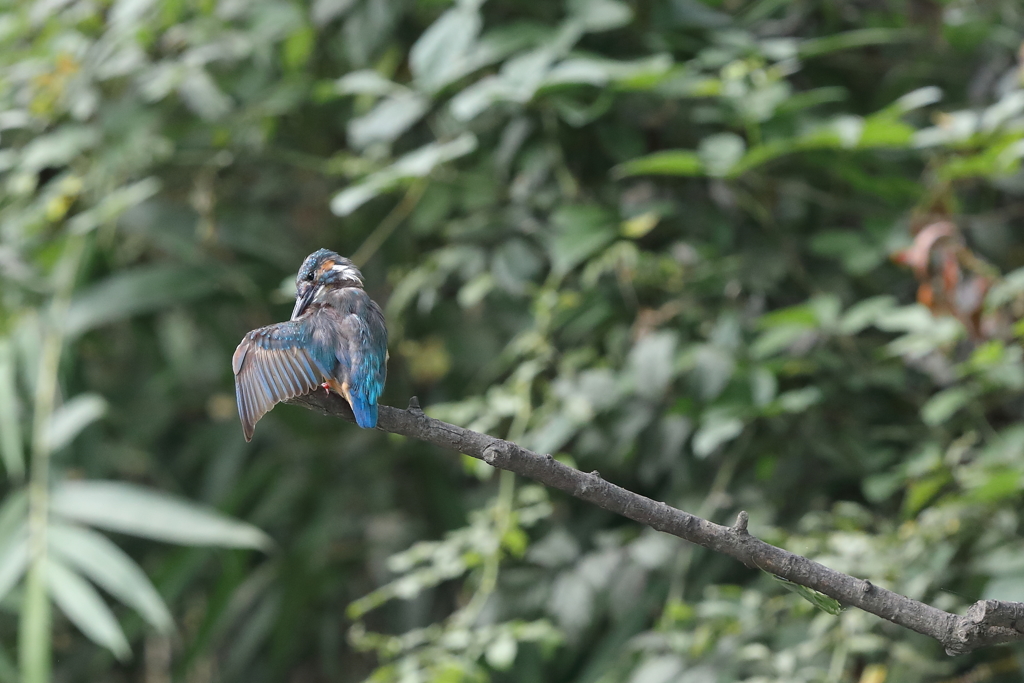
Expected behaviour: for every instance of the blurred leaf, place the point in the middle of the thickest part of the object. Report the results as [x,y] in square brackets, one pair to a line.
[502,652]
[113,205]
[152,514]
[941,333]
[202,95]
[10,416]
[823,602]
[916,99]
[85,608]
[13,513]
[366,82]
[716,428]
[74,416]
[298,47]
[109,567]
[324,11]
[416,164]
[799,400]
[659,669]
[13,561]
[997,484]
[640,74]
[802,316]
[923,490]
[640,225]
[651,361]
[713,368]
[392,116]
[435,57]
[763,386]
[865,313]
[913,318]
[776,339]
[857,254]
[865,37]
[945,404]
[600,15]
[139,290]
[670,162]
[879,487]
[883,131]
[474,100]
[58,148]
[719,153]
[518,81]
[1010,287]
[578,231]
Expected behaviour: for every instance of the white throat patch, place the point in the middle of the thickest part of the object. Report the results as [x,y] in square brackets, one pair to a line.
[347,272]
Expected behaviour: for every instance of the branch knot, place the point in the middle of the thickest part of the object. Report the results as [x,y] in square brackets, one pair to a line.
[498,454]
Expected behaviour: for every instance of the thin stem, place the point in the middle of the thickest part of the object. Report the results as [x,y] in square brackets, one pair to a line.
[708,507]
[35,617]
[492,562]
[838,663]
[390,223]
[502,517]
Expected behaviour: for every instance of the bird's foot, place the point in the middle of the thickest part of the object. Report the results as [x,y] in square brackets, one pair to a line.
[327,388]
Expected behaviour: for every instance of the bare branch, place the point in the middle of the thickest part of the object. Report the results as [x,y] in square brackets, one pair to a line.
[987,622]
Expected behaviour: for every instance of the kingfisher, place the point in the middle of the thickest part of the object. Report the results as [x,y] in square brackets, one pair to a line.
[336,339]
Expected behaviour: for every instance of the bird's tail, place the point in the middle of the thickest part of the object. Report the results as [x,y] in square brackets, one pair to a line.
[365,412]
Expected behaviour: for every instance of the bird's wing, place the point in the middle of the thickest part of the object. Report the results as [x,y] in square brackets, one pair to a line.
[271,365]
[364,356]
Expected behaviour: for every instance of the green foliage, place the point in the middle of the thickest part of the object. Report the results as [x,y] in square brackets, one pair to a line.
[822,602]
[733,255]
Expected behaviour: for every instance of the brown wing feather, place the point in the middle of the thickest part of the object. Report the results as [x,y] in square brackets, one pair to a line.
[270,367]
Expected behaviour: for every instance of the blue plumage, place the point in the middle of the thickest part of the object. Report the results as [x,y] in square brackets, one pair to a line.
[336,337]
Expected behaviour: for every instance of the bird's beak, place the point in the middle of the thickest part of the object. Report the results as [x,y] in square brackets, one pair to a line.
[303,298]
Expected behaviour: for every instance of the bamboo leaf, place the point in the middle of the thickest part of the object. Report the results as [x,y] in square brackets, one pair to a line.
[13,562]
[110,567]
[136,291]
[13,514]
[85,608]
[10,424]
[13,540]
[71,418]
[149,513]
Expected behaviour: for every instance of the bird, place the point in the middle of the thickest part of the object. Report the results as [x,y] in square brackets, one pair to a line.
[336,339]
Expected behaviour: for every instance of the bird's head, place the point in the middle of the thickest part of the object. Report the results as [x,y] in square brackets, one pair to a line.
[323,269]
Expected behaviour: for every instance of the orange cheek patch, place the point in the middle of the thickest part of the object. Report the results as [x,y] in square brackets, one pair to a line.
[327,265]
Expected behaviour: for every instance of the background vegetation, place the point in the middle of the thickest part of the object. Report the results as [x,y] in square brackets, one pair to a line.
[733,254]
